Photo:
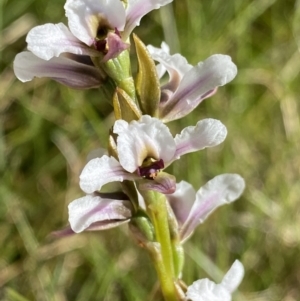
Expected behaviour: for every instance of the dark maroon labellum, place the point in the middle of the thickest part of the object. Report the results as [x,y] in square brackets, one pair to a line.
[101,46]
[100,43]
[150,171]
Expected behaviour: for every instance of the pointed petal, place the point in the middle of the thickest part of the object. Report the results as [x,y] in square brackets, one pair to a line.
[115,46]
[176,65]
[233,277]
[222,189]
[136,9]
[100,171]
[207,133]
[199,83]
[51,40]
[62,233]
[163,183]
[207,290]
[146,138]
[182,200]
[85,17]
[86,211]
[164,47]
[66,71]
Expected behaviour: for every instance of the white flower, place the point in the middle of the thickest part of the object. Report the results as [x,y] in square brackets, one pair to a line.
[96,28]
[188,85]
[192,208]
[207,290]
[144,148]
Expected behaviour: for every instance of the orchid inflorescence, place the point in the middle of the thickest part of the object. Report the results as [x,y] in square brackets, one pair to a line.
[93,52]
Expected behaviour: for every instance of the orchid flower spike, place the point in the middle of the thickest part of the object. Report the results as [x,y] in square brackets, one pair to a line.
[188,85]
[97,28]
[192,208]
[207,290]
[145,147]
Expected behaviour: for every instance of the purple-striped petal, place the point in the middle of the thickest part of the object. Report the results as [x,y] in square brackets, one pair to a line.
[176,65]
[222,189]
[93,212]
[66,71]
[51,40]
[207,133]
[197,84]
[163,183]
[182,200]
[136,9]
[100,171]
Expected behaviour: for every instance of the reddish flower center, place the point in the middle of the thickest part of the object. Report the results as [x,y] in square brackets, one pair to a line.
[100,42]
[150,168]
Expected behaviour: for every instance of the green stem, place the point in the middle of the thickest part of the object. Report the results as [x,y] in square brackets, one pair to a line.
[157,209]
[178,257]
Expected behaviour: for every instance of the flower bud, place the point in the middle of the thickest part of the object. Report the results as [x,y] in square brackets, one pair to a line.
[142,228]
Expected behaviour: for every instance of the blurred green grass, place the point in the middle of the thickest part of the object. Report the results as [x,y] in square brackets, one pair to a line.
[47,130]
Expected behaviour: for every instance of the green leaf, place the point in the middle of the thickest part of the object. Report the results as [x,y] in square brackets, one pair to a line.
[147,81]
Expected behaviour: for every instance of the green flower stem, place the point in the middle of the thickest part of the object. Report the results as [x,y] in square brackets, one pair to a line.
[178,257]
[177,249]
[155,253]
[157,209]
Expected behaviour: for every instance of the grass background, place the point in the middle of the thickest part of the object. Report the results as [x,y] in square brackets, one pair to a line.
[47,130]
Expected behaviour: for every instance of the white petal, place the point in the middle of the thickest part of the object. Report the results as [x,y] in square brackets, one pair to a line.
[207,133]
[199,83]
[222,189]
[233,277]
[173,63]
[182,200]
[88,210]
[66,71]
[85,16]
[207,290]
[146,138]
[50,40]
[136,9]
[100,171]
[160,68]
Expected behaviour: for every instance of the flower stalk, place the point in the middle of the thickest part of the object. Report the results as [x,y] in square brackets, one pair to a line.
[157,209]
